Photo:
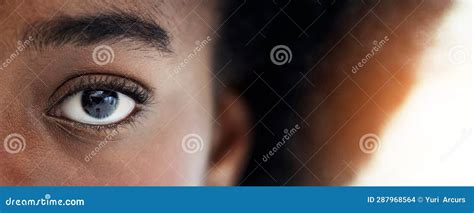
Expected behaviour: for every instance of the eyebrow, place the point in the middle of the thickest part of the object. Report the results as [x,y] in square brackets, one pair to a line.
[93,29]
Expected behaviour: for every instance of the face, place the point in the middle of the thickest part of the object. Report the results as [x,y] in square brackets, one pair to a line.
[110,93]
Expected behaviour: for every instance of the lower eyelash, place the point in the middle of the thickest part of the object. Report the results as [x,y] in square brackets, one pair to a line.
[133,89]
[89,132]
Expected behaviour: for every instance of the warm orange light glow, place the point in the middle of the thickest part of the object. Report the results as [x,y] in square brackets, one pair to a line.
[429,141]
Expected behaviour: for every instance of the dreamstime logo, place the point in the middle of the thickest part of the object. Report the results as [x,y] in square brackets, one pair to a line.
[14,143]
[281,54]
[288,134]
[109,137]
[199,46]
[375,49]
[369,143]
[47,200]
[458,54]
[192,143]
[22,45]
[103,55]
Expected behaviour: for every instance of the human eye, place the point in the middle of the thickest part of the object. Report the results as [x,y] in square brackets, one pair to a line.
[98,101]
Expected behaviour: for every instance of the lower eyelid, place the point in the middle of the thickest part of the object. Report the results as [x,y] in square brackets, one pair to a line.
[88,133]
[82,133]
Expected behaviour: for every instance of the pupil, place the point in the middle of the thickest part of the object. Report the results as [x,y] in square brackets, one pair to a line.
[99,103]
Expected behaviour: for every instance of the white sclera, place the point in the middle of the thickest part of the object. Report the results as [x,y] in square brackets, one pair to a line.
[72,109]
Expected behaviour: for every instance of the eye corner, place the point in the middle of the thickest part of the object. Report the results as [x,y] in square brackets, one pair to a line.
[110,101]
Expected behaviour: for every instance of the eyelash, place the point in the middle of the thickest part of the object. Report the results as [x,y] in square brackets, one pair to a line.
[123,85]
[115,83]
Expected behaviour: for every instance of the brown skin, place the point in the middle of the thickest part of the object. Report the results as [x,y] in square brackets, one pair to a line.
[147,151]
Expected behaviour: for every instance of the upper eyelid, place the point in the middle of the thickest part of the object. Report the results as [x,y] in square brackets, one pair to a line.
[85,73]
[88,132]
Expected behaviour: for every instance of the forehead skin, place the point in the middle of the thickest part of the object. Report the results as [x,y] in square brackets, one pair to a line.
[154,152]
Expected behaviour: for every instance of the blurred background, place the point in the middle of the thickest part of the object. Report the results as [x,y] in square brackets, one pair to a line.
[353,92]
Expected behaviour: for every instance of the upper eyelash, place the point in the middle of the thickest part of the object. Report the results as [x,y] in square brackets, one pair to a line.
[96,81]
[108,82]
